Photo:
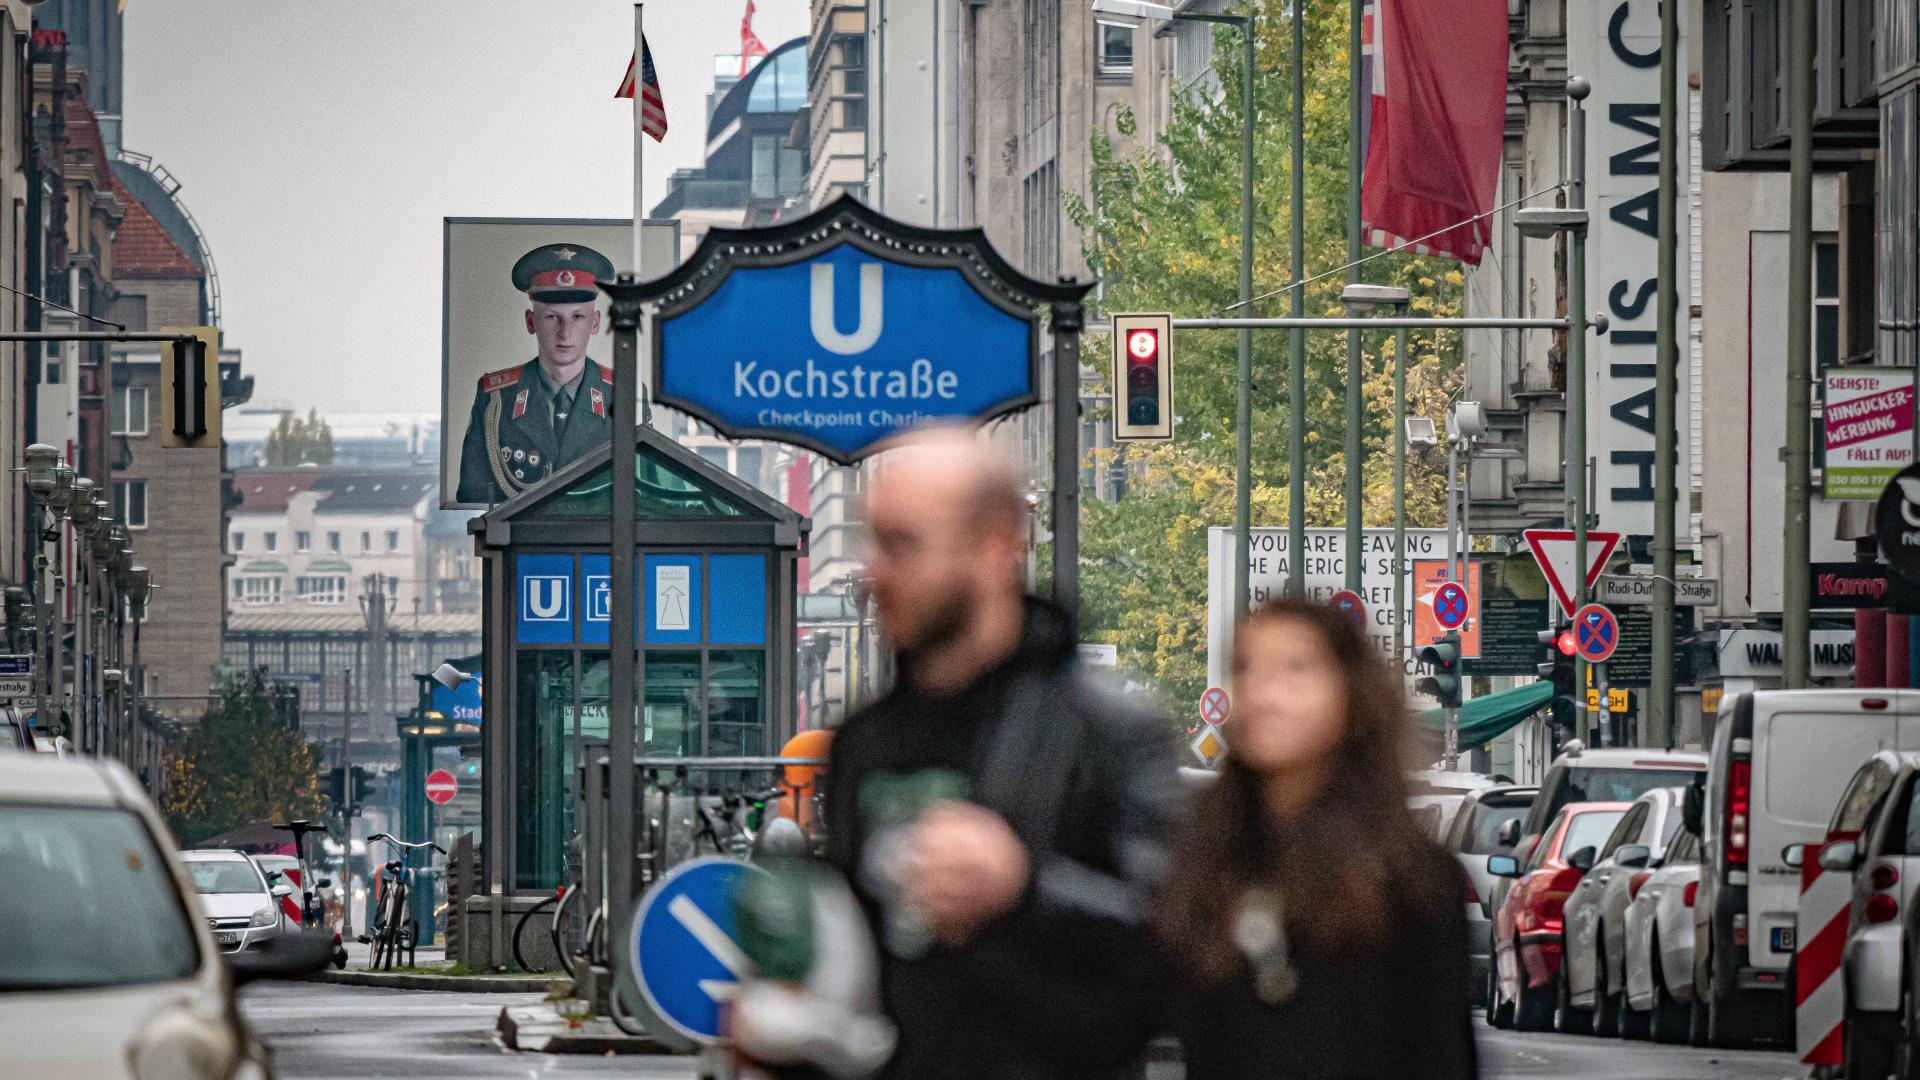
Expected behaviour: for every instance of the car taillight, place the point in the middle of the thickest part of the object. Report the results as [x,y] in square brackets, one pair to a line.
[1740,929]
[1884,877]
[1688,894]
[1739,798]
[1473,894]
[1882,908]
[1634,883]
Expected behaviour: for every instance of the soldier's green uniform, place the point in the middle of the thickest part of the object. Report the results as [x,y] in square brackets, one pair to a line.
[522,427]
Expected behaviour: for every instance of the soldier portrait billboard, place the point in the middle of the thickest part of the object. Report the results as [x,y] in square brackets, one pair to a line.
[526,387]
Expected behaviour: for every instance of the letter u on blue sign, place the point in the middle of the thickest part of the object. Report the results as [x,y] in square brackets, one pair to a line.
[544,587]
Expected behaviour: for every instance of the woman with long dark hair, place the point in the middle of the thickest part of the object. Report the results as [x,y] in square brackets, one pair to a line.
[1319,932]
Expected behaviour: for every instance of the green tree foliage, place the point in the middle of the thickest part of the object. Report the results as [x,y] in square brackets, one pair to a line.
[244,763]
[1162,233]
[294,442]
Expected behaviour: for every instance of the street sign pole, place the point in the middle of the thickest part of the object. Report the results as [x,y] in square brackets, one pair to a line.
[1576,463]
[1067,322]
[1659,729]
[623,619]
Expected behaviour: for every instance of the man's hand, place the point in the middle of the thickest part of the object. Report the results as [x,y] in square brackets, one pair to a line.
[964,868]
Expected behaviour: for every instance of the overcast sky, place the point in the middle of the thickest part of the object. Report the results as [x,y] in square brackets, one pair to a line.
[319,145]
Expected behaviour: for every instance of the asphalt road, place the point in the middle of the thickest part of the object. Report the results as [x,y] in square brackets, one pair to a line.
[325,1032]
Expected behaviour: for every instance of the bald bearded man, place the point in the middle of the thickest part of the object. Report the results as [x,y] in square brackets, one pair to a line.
[1000,816]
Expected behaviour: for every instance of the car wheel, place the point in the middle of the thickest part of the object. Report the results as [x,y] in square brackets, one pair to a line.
[1670,1020]
[1634,1024]
[1730,1022]
[1535,1010]
[1606,1008]
[1568,1019]
[1697,1021]
[1906,1054]
[1868,1049]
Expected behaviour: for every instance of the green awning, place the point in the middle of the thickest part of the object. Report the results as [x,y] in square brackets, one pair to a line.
[335,565]
[264,566]
[1484,718]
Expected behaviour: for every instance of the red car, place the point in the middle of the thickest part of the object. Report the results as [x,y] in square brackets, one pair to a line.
[1527,928]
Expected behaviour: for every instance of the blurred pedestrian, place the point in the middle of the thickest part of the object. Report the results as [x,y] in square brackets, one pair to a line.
[999,815]
[1319,932]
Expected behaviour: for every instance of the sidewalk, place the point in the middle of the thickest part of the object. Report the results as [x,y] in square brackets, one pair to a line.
[431,971]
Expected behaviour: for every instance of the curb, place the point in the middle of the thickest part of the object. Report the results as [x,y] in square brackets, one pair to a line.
[539,1029]
[471,984]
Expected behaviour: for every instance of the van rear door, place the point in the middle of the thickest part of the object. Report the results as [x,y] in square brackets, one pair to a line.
[1806,745]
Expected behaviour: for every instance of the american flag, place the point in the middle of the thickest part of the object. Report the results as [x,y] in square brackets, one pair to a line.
[653,110]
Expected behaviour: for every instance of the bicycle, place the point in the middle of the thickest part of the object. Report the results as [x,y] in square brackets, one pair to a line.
[394,929]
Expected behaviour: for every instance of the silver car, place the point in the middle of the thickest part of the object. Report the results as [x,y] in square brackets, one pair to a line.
[1596,914]
[1659,964]
[242,909]
[1474,835]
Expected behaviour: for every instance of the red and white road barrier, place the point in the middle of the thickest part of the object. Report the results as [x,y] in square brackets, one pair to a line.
[1820,995]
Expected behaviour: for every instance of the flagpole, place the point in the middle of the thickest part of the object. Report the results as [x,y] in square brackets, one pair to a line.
[639,140]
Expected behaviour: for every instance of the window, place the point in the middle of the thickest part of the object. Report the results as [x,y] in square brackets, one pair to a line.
[129,410]
[1826,303]
[302,541]
[130,503]
[271,540]
[393,586]
[56,373]
[239,542]
[256,590]
[853,114]
[333,542]
[366,541]
[776,167]
[393,539]
[322,589]
[1116,49]
[747,464]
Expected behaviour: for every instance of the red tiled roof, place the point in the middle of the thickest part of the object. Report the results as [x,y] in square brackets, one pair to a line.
[142,248]
[83,130]
[269,492]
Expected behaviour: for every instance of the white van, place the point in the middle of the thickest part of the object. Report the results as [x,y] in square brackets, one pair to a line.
[1779,761]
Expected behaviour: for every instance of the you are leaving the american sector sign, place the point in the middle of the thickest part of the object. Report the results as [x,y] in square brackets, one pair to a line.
[844,328]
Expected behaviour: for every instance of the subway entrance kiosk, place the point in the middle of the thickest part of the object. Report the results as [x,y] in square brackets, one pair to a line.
[715,571]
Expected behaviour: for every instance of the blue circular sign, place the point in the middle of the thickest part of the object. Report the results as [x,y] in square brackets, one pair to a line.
[1595,633]
[683,951]
[1450,606]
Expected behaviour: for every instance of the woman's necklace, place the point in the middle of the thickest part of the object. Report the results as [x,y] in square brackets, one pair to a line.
[1259,930]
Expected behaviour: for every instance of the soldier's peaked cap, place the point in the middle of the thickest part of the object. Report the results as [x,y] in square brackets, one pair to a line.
[562,273]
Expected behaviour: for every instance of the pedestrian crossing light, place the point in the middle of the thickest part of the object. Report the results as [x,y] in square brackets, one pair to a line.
[1143,377]
[1443,681]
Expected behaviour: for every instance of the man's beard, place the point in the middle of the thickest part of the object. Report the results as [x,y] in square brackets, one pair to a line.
[949,619]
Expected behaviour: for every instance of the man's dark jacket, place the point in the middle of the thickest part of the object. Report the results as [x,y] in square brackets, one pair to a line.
[1085,775]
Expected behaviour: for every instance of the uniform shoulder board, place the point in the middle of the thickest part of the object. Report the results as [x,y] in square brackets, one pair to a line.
[605,372]
[496,379]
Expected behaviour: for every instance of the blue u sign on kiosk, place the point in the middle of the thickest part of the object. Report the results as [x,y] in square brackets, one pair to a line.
[839,336]
[683,954]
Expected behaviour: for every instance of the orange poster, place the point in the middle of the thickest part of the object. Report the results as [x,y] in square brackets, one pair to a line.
[1428,576]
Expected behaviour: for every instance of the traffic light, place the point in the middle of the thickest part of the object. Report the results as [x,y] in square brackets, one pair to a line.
[1443,682]
[362,785]
[190,382]
[1557,668]
[1143,377]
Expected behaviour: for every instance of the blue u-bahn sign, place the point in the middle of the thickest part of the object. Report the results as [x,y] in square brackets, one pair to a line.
[845,327]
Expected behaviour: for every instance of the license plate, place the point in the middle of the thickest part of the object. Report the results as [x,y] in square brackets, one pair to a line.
[1783,939]
[227,938]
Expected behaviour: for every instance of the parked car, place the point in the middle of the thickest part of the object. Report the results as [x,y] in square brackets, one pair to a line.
[1596,916]
[1780,761]
[1435,796]
[1527,927]
[1474,835]
[242,908]
[1581,774]
[1659,942]
[1874,838]
[107,966]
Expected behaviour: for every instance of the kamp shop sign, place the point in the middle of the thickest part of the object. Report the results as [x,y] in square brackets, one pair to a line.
[844,328]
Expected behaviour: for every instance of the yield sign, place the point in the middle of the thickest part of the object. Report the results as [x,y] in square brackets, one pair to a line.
[1553,550]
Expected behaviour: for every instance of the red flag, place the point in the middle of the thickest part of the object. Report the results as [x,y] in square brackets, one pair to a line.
[751,47]
[653,108]
[1439,102]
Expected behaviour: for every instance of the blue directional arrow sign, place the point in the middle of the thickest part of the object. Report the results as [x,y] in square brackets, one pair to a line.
[683,951]
[1595,633]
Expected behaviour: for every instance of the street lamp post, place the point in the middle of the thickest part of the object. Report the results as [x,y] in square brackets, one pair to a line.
[1361,298]
[139,588]
[81,516]
[43,463]
[1243,396]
